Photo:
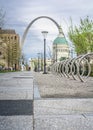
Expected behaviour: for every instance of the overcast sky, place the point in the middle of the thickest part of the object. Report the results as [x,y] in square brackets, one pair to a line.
[19,13]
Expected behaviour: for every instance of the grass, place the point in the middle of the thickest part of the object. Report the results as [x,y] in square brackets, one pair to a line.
[5,71]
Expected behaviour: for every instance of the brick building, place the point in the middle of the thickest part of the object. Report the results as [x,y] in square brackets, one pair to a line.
[9,48]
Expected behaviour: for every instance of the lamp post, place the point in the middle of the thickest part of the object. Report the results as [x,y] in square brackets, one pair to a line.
[56,52]
[41,61]
[45,35]
[38,62]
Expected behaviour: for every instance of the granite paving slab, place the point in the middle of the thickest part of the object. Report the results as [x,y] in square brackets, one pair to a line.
[16,107]
[64,122]
[63,106]
[16,122]
[15,93]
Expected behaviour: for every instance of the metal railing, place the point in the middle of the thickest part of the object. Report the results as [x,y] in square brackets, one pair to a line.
[76,68]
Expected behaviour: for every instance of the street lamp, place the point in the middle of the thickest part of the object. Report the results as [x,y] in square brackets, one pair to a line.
[38,62]
[45,35]
[56,52]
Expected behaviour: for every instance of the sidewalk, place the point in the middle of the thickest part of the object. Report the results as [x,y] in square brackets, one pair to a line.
[22,106]
[16,101]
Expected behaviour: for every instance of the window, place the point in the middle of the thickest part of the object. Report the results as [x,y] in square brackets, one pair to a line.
[15,37]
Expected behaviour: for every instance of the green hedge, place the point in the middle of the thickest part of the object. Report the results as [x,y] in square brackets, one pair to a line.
[5,71]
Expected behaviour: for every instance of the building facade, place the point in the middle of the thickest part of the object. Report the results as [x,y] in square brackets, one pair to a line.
[38,64]
[9,48]
[60,48]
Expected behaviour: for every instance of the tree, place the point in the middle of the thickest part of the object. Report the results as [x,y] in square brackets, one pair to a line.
[12,49]
[2,18]
[11,52]
[62,58]
[2,53]
[50,54]
[82,36]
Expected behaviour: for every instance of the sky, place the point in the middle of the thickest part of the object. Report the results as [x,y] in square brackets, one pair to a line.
[19,13]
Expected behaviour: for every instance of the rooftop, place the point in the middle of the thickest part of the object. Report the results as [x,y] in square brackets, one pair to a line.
[60,40]
[7,31]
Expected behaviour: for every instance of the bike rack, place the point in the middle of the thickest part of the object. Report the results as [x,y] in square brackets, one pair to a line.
[77,68]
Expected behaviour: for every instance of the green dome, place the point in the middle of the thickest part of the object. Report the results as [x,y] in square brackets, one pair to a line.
[60,40]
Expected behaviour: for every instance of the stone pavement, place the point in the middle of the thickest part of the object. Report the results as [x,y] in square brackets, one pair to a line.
[22,107]
[16,101]
[56,86]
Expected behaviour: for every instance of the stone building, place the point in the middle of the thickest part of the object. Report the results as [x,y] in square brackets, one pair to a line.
[38,64]
[2,53]
[9,48]
[60,48]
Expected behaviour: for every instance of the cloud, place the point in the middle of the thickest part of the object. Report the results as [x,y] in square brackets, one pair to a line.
[19,13]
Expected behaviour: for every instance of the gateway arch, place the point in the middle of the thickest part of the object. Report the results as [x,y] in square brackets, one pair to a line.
[30,24]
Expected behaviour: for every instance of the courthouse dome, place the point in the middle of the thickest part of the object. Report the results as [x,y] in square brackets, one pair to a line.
[60,40]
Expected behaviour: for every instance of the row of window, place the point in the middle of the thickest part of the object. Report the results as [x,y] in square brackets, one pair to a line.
[62,50]
[9,37]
